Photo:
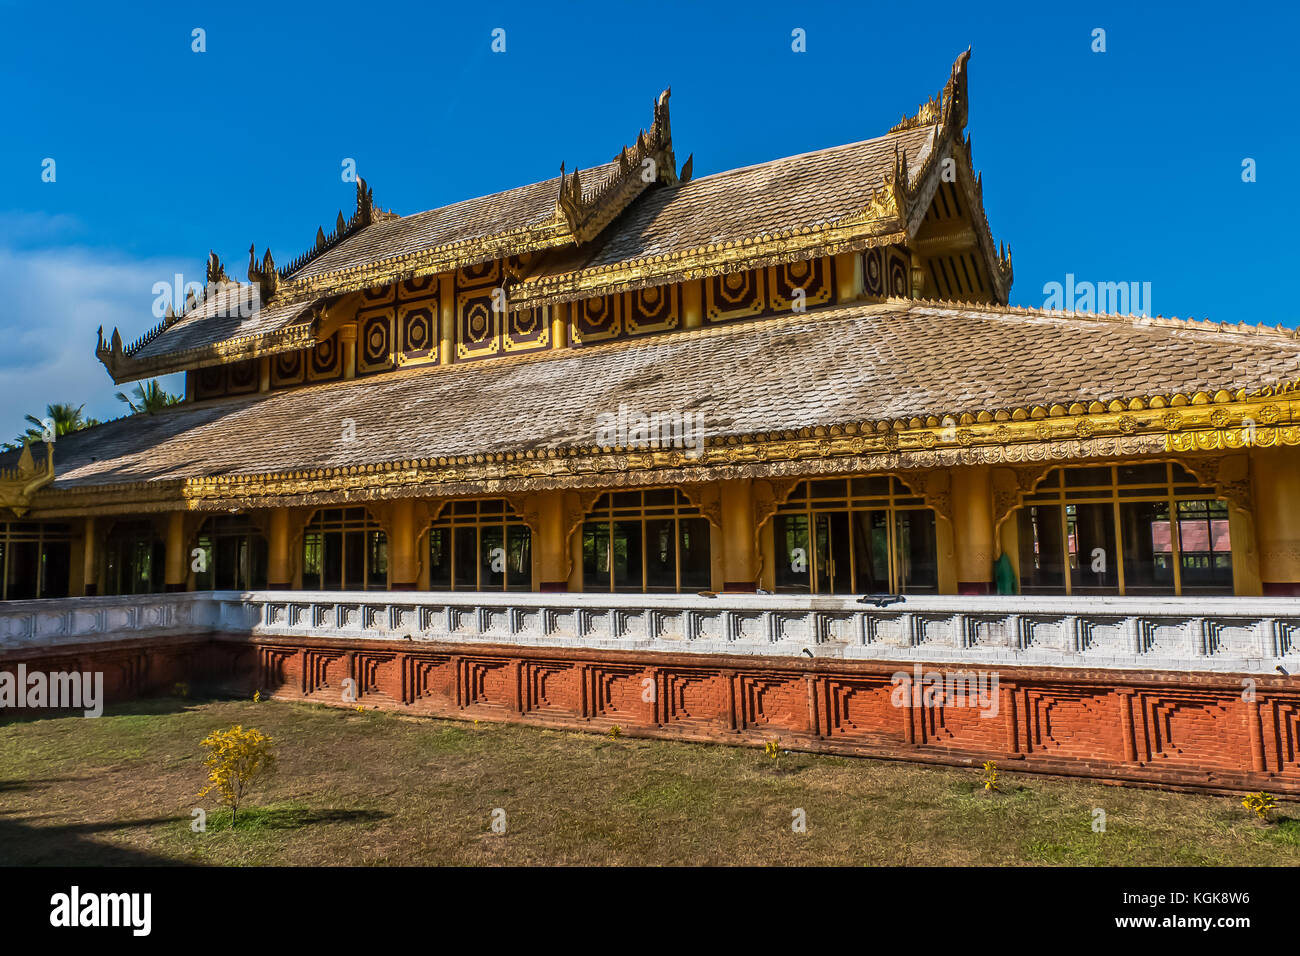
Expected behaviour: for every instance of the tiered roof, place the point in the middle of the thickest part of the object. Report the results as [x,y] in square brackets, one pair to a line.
[901,368]
[600,230]
[864,385]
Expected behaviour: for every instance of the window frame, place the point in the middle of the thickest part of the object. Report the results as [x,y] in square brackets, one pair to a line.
[1055,491]
[353,519]
[45,533]
[894,501]
[604,511]
[456,515]
[237,526]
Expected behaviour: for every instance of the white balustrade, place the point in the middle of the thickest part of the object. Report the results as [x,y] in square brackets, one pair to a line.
[1252,635]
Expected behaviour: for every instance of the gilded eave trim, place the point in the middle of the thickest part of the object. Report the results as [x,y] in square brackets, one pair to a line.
[300,335]
[712,260]
[1160,425]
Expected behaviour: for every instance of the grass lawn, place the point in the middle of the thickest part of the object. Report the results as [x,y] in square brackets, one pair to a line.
[379,788]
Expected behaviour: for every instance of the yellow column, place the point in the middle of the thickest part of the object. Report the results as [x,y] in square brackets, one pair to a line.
[1245,553]
[279,571]
[89,566]
[767,554]
[177,565]
[560,326]
[552,549]
[576,583]
[848,276]
[264,376]
[972,505]
[348,343]
[446,321]
[947,555]
[403,563]
[739,557]
[1277,519]
[692,305]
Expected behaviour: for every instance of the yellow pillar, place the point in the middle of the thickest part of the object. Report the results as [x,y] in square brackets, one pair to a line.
[692,305]
[446,321]
[89,567]
[560,326]
[576,582]
[947,555]
[279,570]
[177,565]
[972,506]
[348,343]
[1277,519]
[403,560]
[739,557]
[767,556]
[552,549]
[1245,553]
[264,374]
[848,276]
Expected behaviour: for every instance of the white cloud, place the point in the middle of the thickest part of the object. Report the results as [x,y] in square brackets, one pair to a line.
[51,302]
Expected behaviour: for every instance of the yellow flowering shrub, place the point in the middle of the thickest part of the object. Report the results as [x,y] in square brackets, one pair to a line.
[236,759]
[1260,804]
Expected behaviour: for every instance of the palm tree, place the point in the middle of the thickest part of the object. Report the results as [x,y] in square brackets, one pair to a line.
[149,397]
[66,418]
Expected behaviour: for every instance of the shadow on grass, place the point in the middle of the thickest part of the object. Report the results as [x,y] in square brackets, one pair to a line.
[288,816]
[156,704]
[22,844]
[25,845]
[21,786]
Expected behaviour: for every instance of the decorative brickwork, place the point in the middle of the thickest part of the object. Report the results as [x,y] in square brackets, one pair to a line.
[1167,724]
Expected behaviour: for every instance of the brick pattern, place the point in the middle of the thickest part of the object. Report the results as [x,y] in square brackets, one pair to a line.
[1157,728]
[1179,730]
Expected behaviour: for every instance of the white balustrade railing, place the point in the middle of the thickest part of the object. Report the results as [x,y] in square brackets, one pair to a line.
[81,620]
[1253,635]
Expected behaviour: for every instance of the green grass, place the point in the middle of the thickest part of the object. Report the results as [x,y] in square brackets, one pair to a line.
[379,788]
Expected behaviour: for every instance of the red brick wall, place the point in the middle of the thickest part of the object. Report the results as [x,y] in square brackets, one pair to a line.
[1165,729]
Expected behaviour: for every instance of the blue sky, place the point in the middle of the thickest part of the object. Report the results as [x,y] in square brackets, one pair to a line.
[1117,166]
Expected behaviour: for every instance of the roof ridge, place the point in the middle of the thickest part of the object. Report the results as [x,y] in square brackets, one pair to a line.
[803,155]
[1113,318]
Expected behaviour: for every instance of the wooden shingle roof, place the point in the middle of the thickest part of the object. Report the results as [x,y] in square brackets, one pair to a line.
[859,363]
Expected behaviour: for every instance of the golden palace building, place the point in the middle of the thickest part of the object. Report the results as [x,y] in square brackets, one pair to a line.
[798,377]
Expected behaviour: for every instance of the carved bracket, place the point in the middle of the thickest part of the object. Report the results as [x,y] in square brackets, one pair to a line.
[768,495]
[935,486]
[1010,485]
[708,498]
[1228,475]
[576,506]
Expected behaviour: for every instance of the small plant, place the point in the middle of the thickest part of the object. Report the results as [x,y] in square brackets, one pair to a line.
[990,777]
[237,758]
[772,748]
[257,696]
[615,732]
[1261,804]
[181,689]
